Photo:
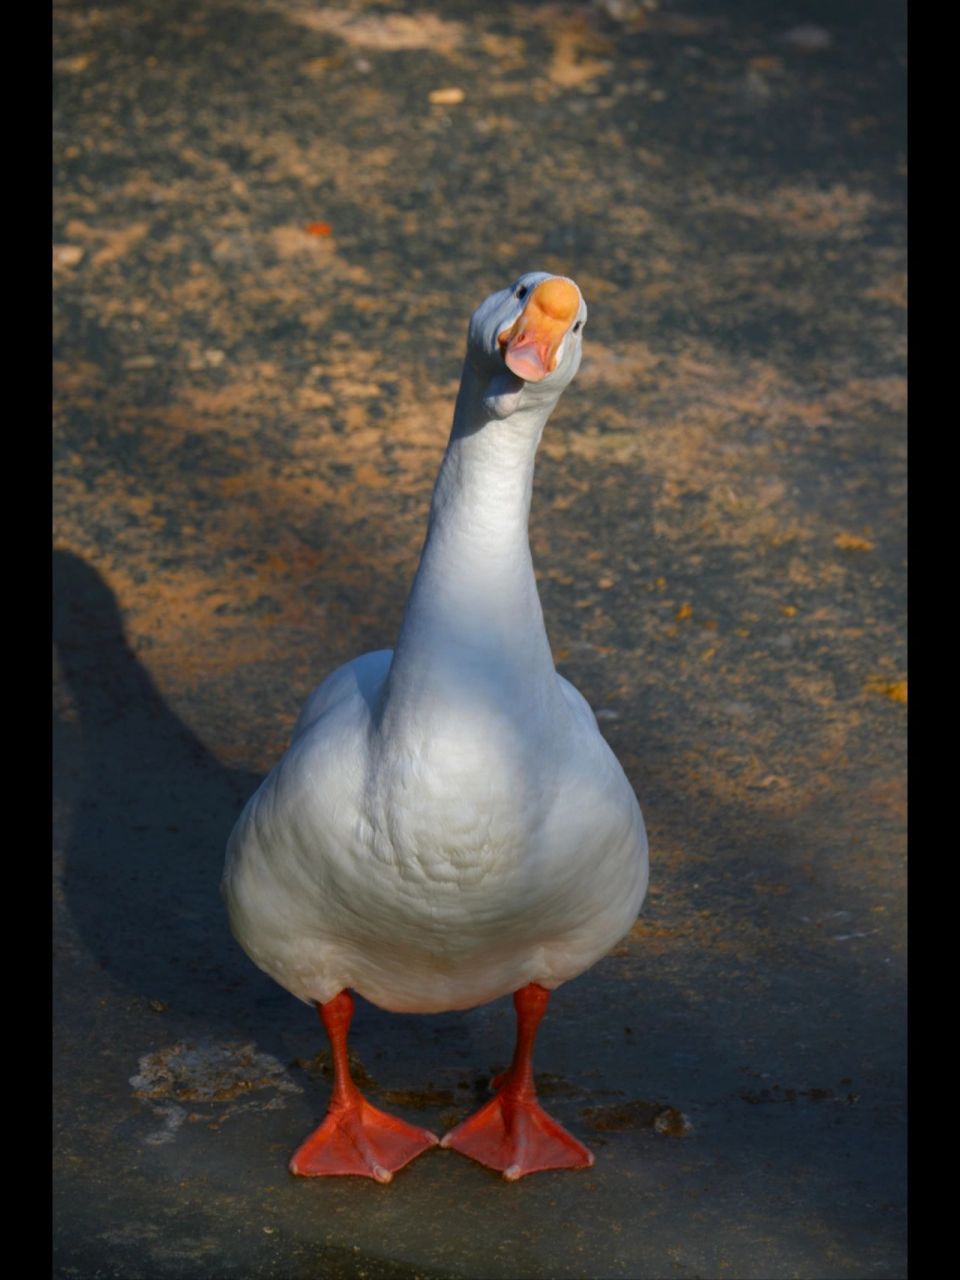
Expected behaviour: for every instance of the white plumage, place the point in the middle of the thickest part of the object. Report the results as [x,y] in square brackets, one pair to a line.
[448,823]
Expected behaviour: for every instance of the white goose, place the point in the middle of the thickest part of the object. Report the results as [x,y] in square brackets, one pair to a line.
[448,824]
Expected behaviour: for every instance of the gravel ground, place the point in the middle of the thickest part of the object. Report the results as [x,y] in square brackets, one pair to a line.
[272,220]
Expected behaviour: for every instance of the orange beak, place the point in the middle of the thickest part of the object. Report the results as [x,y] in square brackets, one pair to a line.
[531,343]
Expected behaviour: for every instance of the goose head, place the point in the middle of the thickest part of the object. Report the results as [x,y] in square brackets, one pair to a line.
[525,343]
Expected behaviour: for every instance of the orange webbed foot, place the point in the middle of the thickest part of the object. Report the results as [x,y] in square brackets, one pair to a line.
[359,1138]
[356,1137]
[514,1135]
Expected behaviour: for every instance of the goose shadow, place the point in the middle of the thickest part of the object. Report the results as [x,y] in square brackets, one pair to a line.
[150,810]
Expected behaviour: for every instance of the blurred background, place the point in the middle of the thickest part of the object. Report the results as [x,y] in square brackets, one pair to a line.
[272,221]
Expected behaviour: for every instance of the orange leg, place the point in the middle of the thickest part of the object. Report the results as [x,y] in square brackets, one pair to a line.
[355,1137]
[512,1132]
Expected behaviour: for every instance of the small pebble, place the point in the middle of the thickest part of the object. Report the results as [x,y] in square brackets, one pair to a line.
[66,255]
[673,1123]
[73,66]
[809,37]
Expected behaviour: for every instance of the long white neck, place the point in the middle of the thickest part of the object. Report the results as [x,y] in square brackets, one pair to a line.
[473,622]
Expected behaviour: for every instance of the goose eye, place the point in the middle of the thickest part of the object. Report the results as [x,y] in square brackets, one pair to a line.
[521,293]
[578,326]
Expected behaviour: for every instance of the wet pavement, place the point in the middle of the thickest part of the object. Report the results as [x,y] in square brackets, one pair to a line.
[268,239]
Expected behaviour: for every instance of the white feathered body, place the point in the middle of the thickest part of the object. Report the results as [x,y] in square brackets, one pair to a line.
[440,870]
[448,823]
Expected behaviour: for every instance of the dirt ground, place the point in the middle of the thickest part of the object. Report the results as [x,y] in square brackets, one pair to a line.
[272,221]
